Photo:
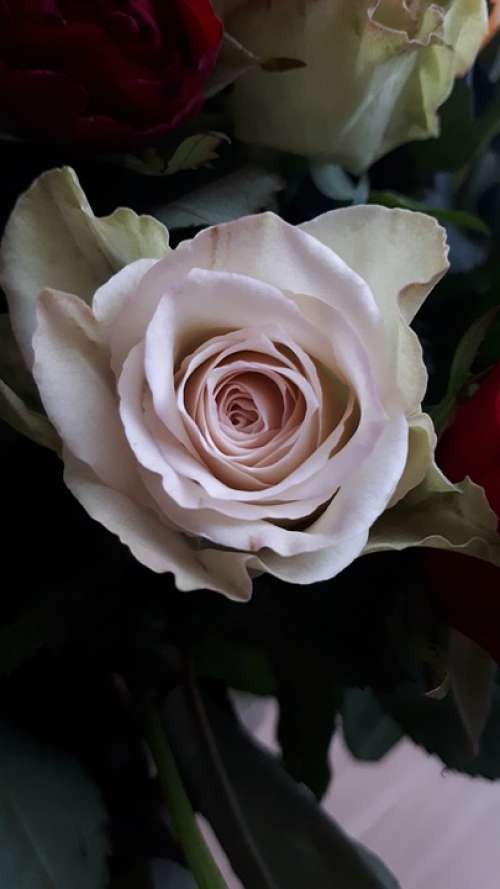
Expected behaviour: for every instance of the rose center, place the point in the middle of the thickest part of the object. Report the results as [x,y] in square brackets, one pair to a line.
[242,413]
[248,403]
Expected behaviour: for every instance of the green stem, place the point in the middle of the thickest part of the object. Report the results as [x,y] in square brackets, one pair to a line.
[198,856]
[256,867]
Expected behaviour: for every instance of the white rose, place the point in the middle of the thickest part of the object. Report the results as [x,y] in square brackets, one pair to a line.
[250,402]
[376,72]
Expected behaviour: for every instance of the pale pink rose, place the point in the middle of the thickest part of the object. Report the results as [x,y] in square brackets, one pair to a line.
[246,403]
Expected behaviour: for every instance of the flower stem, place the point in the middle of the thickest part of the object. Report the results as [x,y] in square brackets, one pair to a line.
[198,856]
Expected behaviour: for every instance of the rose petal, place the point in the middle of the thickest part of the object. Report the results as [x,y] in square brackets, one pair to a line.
[214,444]
[77,251]
[413,247]
[314,567]
[258,347]
[367,494]
[110,297]
[262,247]
[181,493]
[414,251]
[153,544]
[72,373]
[421,447]
[350,514]
[248,535]
[201,306]
[192,497]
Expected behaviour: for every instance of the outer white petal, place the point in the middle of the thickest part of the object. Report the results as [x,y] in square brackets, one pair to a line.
[421,447]
[53,239]
[110,298]
[400,254]
[263,247]
[77,388]
[317,566]
[154,544]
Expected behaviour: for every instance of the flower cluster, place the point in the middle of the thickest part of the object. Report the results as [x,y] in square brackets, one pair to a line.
[365,76]
[280,369]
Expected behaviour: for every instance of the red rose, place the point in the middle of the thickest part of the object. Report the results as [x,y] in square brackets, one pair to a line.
[106,73]
[467,589]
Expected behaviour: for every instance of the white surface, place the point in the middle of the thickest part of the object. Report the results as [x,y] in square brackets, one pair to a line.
[434,829]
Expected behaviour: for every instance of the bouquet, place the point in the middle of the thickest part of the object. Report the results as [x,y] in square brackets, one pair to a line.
[249,393]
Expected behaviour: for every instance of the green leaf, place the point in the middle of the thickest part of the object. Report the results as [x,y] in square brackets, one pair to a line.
[198,856]
[53,239]
[472,675]
[463,135]
[195,151]
[246,191]
[298,846]
[463,360]
[460,218]
[440,514]
[309,700]
[482,175]
[467,351]
[52,820]
[438,727]
[239,665]
[368,732]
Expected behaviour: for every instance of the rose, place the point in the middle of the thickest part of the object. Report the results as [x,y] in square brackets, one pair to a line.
[375,72]
[251,401]
[471,444]
[467,590]
[103,74]
[253,407]
[248,402]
